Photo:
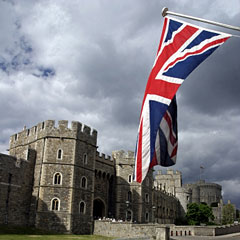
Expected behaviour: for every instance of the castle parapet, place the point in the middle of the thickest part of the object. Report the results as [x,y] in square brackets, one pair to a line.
[122,157]
[103,158]
[47,129]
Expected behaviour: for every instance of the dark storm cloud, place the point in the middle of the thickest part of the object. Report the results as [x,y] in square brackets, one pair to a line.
[216,88]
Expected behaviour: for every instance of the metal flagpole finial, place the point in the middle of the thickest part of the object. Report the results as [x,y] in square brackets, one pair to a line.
[165,12]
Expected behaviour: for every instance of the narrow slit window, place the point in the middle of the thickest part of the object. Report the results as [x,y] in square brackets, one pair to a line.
[147,216]
[129,196]
[130,178]
[59,154]
[147,197]
[82,207]
[85,158]
[84,182]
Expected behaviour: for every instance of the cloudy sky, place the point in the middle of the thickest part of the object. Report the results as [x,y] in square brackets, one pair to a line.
[89,61]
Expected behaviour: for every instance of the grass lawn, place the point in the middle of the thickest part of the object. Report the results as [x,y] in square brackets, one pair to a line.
[24,233]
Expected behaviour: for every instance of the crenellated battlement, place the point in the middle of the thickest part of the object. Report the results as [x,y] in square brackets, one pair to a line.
[48,129]
[169,172]
[122,157]
[103,158]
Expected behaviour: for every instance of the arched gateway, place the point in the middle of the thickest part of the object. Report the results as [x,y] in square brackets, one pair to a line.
[99,210]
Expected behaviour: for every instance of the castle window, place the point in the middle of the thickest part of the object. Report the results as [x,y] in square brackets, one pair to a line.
[147,197]
[15,137]
[42,125]
[129,178]
[28,132]
[57,179]
[82,207]
[147,182]
[104,175]
[84,158]
[59,154]
[27,154]
[129,196]
[9,178]
[146,216]
[55,204]
[84,182]
[129,215]
[35,129]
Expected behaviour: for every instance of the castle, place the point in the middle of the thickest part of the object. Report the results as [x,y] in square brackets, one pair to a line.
[54,178]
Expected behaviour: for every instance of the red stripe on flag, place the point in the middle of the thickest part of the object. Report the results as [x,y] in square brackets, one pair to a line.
[163,33]
[179,39]
[169,122]
[211,44]
[154,161]
[174,152]
[162,90]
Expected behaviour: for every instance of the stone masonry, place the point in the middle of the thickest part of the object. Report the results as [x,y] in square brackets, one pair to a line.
[54,178]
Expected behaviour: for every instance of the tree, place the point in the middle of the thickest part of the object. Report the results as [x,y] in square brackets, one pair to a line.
[199,213]
[228,214]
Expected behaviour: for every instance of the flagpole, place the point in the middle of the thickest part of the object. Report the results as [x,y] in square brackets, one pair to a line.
[166,12]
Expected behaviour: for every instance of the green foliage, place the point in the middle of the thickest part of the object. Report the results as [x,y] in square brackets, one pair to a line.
[228,214]
[181,221]
[199,214]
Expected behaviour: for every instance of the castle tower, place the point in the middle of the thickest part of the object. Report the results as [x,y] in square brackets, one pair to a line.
[104,190]
[171,182]
[64,174]
[133,200]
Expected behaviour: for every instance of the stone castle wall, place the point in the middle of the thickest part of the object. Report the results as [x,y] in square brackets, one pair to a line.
[104,182]
[130,230]
[102,185]
[16,184]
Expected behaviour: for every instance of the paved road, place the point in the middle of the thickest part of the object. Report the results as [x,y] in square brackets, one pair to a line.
[234,236]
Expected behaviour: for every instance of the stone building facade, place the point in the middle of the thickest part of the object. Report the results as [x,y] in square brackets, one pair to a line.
[55,179]
[199,192]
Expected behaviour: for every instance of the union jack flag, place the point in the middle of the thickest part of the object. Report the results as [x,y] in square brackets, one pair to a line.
[182,48]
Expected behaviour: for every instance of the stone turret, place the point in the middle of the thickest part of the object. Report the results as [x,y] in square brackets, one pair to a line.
[69,152]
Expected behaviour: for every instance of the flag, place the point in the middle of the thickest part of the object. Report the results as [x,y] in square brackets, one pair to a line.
[182,48]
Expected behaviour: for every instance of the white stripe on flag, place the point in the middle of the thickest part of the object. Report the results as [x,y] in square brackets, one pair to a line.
[169,79]
[145,117]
